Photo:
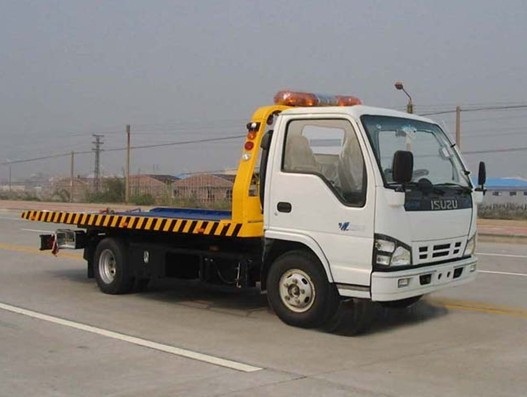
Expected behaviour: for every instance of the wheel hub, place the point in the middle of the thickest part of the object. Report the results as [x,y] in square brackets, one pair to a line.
[107,266]
[297,291]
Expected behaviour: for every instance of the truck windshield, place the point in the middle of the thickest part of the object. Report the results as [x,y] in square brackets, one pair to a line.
[434,159]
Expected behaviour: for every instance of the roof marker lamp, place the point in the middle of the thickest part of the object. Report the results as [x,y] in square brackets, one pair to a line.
[308,99]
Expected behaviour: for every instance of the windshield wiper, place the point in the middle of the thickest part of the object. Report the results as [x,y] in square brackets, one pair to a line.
[457,186]
[424,186]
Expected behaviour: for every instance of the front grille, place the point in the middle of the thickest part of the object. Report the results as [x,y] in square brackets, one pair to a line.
[438,251]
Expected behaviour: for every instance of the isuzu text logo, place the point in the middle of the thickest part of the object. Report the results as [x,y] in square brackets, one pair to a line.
[437,205]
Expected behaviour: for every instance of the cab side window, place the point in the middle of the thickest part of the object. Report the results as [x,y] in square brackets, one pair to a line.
[329,149]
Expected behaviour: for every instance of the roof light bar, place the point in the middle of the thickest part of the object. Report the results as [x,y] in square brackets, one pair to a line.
[308,99]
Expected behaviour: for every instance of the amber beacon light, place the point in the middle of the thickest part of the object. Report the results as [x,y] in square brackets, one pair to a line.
[308,99]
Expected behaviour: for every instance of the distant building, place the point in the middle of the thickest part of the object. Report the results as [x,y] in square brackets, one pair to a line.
[506,191]
[157,186]
[205,188]
[15,188]
[59,188]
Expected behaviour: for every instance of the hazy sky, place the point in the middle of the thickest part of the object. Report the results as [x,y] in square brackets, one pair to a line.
[187,70]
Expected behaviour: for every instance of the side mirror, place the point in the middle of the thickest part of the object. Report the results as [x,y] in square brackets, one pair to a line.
[482,174]
[402,166]
[482,177]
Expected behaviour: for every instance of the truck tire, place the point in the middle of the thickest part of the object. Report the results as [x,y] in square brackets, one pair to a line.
[299,292]
[112,274]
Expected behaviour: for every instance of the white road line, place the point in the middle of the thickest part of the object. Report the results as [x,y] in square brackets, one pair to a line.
[38,231]
[503,273]
[505,255]
[9,218]
[136,341]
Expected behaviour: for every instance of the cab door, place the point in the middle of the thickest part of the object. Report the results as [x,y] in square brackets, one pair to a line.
[320,191]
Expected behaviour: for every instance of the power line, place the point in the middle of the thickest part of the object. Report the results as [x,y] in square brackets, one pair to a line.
[485,119]
[225,138]
[495,135]
[518,149]
[52,156]
[231,137]
[147,128]
[477,109]
[438,107]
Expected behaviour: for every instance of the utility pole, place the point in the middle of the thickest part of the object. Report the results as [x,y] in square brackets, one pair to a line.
[127,182]
[72,173]
[458,127]
[9,178]
[97,149]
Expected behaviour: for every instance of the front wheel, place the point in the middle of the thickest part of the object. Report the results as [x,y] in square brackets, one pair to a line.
[299,291]
[112,274]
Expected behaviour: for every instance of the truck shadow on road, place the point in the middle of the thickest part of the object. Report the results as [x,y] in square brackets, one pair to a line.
[353,320]
[231,300]
[74,274]
[253,304]
[389,318]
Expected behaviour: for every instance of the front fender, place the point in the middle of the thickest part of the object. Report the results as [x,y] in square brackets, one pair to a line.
[306,241]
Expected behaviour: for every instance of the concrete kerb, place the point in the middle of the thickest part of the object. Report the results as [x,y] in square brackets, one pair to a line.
[502,238]
[502,230]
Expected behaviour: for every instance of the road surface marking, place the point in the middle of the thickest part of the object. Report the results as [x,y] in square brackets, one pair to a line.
[505,255]
[9,218]
[480,307]
[503,273]
[38,231]
[134,340]
[34,250]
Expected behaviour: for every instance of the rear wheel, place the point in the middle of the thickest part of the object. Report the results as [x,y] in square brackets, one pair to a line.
[111,273]
[299,291]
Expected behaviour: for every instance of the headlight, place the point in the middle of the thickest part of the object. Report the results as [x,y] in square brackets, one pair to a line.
[391,252]
[470,248]
[384,245]
[401,257]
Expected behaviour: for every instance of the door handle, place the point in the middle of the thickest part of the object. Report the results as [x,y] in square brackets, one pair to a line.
[283,206]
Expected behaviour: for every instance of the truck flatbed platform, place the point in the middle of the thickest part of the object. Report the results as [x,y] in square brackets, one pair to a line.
[168,220]
[188,213]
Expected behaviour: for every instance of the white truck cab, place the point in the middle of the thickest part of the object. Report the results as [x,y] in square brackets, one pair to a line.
[382,198]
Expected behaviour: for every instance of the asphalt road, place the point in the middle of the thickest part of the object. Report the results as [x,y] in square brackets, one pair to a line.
[59,336]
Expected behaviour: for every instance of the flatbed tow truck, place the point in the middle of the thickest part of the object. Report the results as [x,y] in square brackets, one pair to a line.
[333,203]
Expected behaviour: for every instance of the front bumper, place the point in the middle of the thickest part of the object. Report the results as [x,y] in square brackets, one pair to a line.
[387,286]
